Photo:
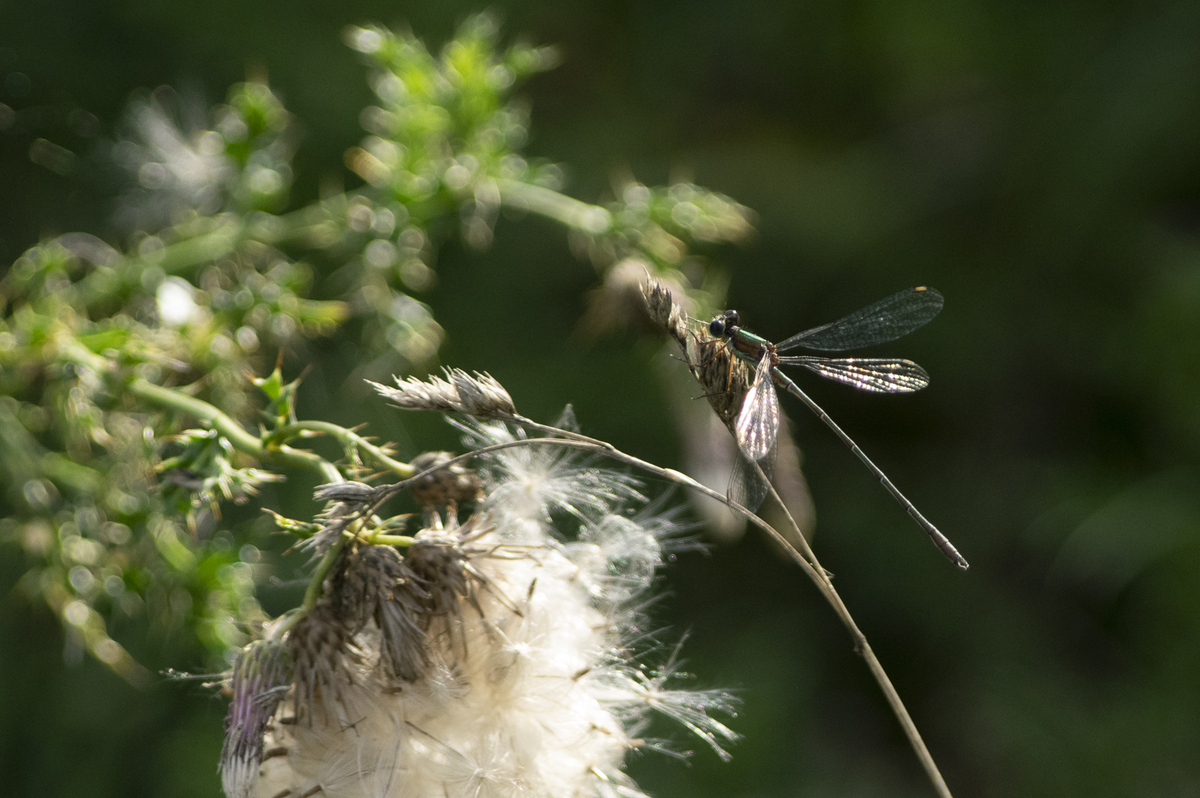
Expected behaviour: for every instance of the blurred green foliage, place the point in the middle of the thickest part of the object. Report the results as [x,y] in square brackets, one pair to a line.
[1039,165]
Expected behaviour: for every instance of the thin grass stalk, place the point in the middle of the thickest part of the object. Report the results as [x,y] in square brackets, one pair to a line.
[814,570]
[806,559]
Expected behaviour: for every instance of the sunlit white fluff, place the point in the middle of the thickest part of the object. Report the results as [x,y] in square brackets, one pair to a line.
[530,690]
[532,483]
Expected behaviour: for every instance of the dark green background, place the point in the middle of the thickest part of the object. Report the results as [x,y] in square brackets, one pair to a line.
[1036,162]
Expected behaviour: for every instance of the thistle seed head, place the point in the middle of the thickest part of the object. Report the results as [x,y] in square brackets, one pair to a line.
[261,676]
[377,585]
[446,487]
[489,658]
[319,645]
[439,562]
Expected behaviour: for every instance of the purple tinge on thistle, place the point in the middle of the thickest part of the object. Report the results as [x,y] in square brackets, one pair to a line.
[261,677]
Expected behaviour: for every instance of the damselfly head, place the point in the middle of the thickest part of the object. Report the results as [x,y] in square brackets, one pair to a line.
[724,324]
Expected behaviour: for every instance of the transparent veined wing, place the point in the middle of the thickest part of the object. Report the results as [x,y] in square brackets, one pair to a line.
[886,320]
[757,424]
[881,375]
[746,487]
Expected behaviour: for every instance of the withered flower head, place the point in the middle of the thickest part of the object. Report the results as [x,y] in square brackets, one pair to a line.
[321,659]
[261,677]
[377,584]
[440,561]
[447,486]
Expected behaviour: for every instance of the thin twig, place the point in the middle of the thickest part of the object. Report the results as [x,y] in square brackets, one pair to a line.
[820,577]
[807,560]
[805,557]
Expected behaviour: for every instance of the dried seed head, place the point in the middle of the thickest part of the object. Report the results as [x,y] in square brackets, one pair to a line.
[448,486]
[353,589]
[261,676]
[480,395]
[440,562]
[664,311]
[319,648]
[493,658]
[376,584]
[399,615]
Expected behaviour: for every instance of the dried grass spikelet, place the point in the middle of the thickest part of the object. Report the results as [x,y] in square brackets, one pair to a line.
[490,659]
[724,377]
[664,310]
[481,395]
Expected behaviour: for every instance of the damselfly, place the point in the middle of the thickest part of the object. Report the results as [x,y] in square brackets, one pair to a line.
[757,425]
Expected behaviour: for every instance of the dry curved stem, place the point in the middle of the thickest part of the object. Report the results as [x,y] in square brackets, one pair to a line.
[663,309]
[805,558]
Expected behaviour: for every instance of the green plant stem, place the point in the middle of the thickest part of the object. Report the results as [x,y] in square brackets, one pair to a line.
[226,426]
[316,582]
[351,439]
[312,593]
[391,540]
[228,232]
[591,219]
[820,577]
[177,400]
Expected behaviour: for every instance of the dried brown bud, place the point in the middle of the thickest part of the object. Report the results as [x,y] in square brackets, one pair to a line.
[348,492]
[447,486]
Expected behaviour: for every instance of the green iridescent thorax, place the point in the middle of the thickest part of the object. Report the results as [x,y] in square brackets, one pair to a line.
[749,346]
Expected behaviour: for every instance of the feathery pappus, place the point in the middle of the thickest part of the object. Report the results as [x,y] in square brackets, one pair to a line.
[487,658]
